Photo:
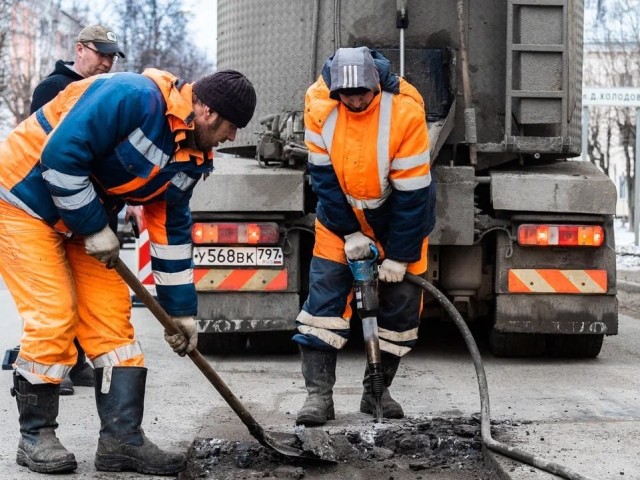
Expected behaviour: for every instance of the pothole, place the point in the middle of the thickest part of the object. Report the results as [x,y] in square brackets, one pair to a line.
[418,448]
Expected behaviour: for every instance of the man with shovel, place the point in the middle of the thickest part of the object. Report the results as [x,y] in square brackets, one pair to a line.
[96,51]
[105,140]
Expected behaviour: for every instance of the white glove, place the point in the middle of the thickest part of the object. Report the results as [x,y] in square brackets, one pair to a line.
[103,245]
[185,341]
[392,271]
[357,246]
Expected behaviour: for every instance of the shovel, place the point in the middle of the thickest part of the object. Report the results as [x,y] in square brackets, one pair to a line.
[286,446]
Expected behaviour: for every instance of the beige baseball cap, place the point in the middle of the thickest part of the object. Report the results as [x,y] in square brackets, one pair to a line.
[104,39]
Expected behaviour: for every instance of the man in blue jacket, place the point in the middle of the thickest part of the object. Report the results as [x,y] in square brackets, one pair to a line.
[96,51]
[142,139]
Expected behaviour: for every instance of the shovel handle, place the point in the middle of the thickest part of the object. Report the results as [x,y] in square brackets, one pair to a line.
[163,317]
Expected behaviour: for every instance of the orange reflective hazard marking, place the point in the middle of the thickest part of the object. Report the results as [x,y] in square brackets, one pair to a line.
[240,280]
[557,281]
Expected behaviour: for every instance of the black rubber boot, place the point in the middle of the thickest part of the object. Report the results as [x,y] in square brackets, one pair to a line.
[123,446]
[319,371]
[82,373]
[66,386]
[39,448]
[390,408]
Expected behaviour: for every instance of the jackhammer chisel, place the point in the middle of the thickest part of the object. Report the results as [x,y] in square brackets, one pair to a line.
[365,286]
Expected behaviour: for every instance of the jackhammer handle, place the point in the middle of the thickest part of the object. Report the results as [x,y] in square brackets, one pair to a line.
[163,317]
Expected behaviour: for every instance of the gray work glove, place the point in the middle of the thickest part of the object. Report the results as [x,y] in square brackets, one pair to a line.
[103,245]
[185,341]
[357,246]
[391,271]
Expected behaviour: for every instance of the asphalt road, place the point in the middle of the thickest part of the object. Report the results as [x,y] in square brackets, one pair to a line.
[584,414]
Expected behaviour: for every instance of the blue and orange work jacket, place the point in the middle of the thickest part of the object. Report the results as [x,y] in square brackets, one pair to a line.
[371,170]
[107,140]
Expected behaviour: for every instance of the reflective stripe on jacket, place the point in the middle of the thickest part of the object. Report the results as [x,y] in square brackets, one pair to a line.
[372,165]
[105,140]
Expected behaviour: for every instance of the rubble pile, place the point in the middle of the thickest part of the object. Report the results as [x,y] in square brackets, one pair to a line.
[420,448]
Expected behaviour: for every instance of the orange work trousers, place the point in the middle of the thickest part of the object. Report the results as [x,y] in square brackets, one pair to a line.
[330,246]
[62,293]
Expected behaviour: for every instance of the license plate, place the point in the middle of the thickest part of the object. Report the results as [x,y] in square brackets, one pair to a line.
[238,256]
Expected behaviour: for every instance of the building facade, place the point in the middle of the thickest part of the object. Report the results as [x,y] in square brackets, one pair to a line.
[38,32]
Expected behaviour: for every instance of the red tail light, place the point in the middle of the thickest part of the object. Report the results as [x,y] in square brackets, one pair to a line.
[263,233]
[560,235]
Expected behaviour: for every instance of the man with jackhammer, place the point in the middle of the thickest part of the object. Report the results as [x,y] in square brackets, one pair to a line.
[369,165]
[105,140]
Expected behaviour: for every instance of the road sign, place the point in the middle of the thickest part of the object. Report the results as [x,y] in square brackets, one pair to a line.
[611,96]
[617,97]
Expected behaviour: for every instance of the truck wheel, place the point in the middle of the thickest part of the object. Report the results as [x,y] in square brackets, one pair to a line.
[516,344]
[574,346]
[222,343]
[273,343]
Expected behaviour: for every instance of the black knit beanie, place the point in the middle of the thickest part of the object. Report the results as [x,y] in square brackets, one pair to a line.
[228,93]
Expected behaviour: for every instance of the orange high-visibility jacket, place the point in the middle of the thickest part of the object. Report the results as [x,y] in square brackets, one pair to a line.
[372,167]
[109,139]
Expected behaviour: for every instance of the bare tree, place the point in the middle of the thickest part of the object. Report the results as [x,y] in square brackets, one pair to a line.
[600,154]
[36,33]
[6,9]
[18,68]
[155,35]
[5,12]
[615,50]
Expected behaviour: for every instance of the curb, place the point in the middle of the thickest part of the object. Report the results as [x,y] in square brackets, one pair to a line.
[493,461]
[506,468]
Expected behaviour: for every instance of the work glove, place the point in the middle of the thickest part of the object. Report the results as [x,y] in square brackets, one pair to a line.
[392,271]
[357,246]
[185,341]
[103,245]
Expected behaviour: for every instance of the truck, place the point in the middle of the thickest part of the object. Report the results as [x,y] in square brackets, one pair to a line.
[524,240]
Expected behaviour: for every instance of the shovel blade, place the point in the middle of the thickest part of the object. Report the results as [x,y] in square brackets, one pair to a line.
[307,444]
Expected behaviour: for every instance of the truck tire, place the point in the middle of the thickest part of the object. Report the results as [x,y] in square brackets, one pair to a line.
[278,343]
[504,344]
[222,343]
[574,346]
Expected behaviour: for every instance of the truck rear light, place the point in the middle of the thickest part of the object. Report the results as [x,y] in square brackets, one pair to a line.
[263,233]
[560,235]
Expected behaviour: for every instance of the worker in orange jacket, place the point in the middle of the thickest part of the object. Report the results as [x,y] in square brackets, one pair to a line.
[105,140]
[369,165]
[96,52]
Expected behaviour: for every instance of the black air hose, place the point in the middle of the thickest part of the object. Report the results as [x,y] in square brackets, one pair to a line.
[485,415]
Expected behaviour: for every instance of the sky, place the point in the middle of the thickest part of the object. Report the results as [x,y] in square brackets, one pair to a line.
[202,14]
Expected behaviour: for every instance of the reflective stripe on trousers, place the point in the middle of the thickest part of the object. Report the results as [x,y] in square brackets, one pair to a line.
[330,292]
[60,293]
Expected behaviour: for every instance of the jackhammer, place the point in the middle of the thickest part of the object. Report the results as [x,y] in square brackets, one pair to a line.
[365,287]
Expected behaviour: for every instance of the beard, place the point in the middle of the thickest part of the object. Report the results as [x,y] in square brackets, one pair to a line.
[356,109]
[205,135]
